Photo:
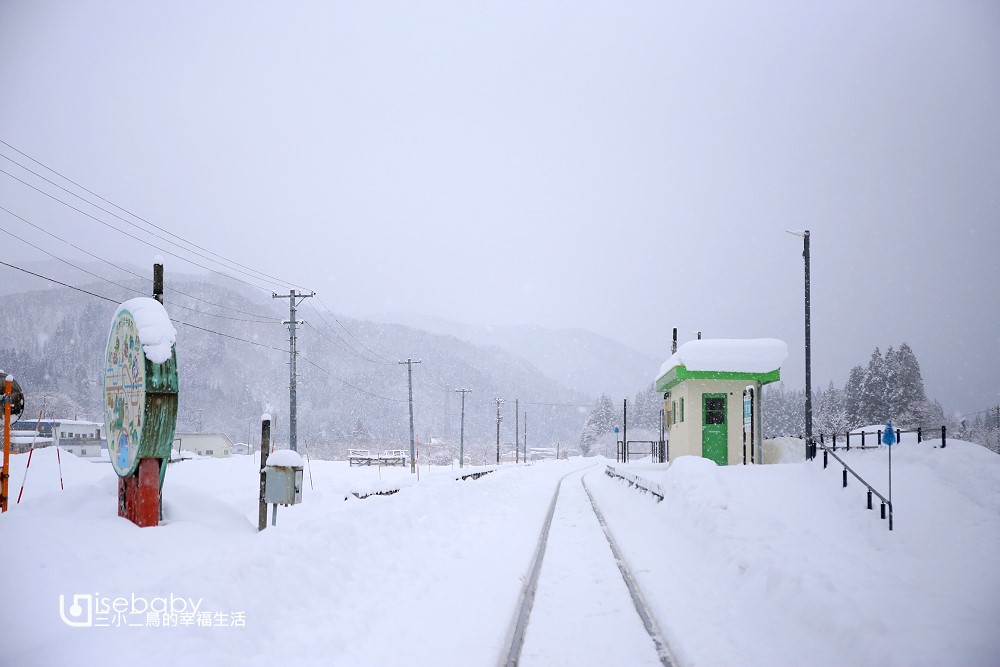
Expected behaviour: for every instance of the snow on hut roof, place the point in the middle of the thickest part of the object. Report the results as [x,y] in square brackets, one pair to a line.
[750,355]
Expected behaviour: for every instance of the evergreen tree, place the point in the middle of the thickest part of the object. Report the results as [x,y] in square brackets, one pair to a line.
[853,410]
[873,405]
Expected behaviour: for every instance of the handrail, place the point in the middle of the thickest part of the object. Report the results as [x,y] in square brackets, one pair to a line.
[637,482]
[871,489]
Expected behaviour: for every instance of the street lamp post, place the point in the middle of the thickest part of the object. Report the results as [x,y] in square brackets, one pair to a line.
[805,256]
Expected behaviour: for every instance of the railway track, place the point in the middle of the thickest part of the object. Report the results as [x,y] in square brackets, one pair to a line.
[579,603]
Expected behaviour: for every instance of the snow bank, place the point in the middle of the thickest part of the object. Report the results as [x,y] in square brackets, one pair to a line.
[752,355]
[156,333]
[784,450]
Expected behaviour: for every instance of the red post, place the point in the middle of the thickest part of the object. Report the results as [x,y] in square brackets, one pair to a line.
[139,494]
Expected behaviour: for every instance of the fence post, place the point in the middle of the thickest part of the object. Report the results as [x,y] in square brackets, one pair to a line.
[825,456]
[869,498]
[898,434]
[834,441]
[879,437]
[919,438]
[845,478]
[883,509]
[944,441]
[862,440]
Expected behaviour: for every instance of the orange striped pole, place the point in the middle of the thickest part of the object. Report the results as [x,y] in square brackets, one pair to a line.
[8,392]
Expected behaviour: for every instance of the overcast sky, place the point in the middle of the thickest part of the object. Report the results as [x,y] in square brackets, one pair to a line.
[622,167]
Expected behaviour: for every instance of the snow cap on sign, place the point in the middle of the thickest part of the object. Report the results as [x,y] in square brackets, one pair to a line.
[266,417]
[156,333]
[750,355]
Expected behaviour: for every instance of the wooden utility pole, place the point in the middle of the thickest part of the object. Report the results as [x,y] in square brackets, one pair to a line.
[265,450]
[499,419]
[517,433]
[409,376]
[461,437]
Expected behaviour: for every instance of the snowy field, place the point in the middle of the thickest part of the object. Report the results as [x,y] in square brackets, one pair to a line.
[768,565]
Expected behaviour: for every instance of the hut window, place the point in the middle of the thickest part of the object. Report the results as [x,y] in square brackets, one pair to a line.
[682,409]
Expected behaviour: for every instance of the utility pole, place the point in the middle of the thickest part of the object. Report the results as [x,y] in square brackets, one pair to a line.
[294,299]
[499,419]
[809,416]
[409,375]
[517,433]
[461,437]
[525,436]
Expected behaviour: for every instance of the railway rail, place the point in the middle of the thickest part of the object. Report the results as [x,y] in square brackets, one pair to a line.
[578,568]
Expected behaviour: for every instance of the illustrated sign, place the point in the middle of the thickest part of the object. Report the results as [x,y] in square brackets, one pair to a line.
[747,418]
[124,393]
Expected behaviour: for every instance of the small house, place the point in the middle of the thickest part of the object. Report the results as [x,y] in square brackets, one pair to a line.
[712,397]
[217,445]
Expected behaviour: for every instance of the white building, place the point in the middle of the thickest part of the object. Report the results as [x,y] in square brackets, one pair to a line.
[74,436]
[712,397]
[204,444]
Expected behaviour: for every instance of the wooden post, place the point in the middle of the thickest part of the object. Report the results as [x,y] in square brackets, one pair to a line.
[265,450]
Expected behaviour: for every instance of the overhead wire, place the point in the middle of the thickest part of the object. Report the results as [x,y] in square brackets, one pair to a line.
[133,236]
[346,346]
[130,289]
[329,310]
[134,215]
[352,386]
[115,301]
[125,270]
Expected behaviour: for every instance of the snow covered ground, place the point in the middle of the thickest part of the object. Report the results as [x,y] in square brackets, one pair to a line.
[766,565]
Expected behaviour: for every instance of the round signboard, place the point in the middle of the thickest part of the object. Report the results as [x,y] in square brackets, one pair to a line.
[124,393]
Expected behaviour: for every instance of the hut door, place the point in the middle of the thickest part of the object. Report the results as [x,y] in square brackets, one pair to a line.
[714,434]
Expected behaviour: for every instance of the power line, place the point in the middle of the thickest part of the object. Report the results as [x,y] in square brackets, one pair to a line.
[329,310]
[127,288]
[566,405]
[125,270]
[133,236]
[53,280]
[124,210]
[345,382]
[115,301]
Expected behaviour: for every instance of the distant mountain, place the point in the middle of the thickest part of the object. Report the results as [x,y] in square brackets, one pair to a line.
[351,389]
[576,358]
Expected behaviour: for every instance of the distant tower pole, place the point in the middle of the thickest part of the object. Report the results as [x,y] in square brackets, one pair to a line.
[499,419]
[461,437]
[517,432]
[525,436]
[409,375]
[294,299]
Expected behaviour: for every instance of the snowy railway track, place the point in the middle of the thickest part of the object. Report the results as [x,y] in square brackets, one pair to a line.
[579,603]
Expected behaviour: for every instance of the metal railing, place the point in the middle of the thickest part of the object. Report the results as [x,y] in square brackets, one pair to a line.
[637,482]
[871,490]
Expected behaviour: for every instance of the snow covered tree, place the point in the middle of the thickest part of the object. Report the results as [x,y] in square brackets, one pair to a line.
[601,420]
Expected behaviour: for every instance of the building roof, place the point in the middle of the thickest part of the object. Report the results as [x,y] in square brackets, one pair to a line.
[724,358]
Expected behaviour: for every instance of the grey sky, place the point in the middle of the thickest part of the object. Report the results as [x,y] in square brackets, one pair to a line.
[623,167]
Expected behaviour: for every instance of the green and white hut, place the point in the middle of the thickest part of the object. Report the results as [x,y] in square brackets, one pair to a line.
[712,397]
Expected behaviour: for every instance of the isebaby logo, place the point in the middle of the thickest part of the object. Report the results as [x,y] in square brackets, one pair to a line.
[81,611]
[85,610]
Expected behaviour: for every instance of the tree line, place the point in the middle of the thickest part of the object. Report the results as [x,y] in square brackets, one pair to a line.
[889,387]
